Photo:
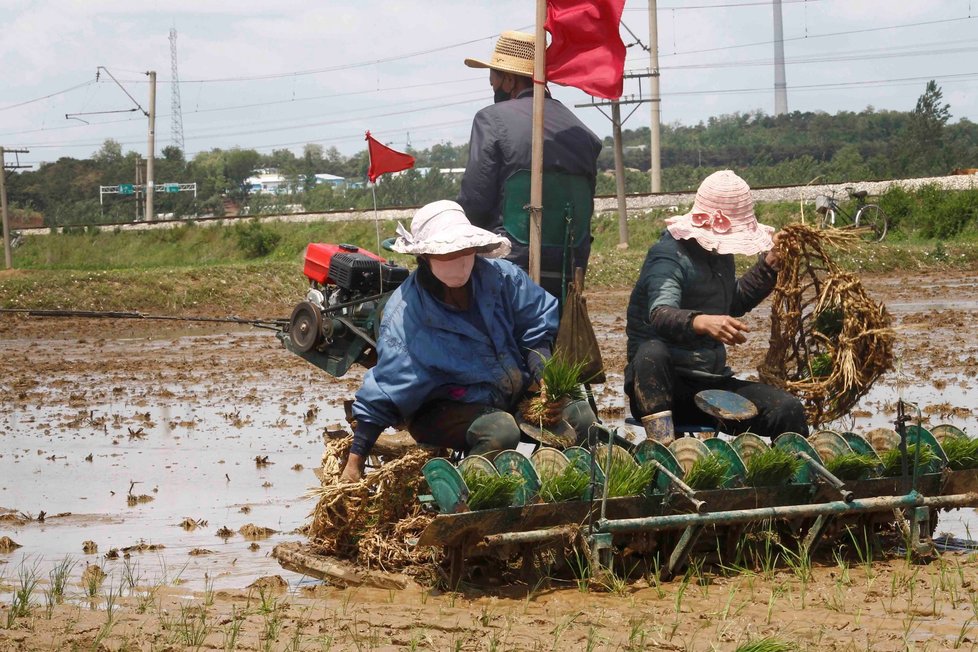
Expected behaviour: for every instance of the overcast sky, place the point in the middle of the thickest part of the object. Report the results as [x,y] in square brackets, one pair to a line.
[270,75]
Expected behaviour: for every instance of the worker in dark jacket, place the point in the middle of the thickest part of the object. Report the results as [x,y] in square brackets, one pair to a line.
[501,145]
[683,313]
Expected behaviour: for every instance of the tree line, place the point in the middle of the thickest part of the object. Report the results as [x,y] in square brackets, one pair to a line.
[793,148]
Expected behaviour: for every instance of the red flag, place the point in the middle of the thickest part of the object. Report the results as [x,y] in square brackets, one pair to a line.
[586,50]
[383,159]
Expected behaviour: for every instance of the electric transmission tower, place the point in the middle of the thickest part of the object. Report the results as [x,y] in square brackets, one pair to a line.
[176,115]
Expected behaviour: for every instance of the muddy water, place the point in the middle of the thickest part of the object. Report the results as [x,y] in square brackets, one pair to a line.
[119,455]
[92,412]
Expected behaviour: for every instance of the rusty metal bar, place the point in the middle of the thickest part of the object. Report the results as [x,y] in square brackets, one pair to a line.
[827,475]
[531,536]
[684,488]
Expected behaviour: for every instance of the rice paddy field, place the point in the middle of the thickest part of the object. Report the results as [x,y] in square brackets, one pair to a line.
[147,471]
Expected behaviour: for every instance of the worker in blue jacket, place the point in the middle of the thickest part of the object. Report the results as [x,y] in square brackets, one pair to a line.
[461,342]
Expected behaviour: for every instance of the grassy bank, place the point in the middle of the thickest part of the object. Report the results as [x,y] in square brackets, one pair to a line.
[250,269]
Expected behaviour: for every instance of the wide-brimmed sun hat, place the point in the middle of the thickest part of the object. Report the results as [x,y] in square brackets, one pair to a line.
[441,227]
[722,218]
[513,53]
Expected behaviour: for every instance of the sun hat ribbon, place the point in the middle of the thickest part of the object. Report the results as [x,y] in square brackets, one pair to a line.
[716,221]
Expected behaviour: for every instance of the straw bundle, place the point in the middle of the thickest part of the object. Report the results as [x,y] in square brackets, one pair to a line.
[829,340]
[371,521]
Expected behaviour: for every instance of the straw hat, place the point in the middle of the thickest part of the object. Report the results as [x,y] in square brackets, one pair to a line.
[722,218]
[442,228]
[513,53]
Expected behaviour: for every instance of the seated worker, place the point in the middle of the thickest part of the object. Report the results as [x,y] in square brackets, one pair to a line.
[683,312]
[501,145]
[461,342]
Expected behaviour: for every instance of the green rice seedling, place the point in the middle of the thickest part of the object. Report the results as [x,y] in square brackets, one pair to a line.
[708,472]
[571,483]
[893,460]
[192,628]
[829,322]
[962,452]
[560,379]
[488,491]
[771,467]
[626,479]
[821,365]
[767,644]
[59,575]
[851,466]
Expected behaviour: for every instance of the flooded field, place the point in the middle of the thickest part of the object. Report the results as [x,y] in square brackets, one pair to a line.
[160,446]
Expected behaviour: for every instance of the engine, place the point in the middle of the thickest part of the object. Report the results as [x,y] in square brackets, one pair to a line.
[338,323]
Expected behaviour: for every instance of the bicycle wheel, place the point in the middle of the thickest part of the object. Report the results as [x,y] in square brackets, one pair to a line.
[828,219]
[872,217]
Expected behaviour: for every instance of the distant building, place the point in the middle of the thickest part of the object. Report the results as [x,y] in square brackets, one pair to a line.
[270,182]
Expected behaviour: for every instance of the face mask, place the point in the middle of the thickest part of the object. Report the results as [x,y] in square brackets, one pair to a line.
[453,273]
[499,95]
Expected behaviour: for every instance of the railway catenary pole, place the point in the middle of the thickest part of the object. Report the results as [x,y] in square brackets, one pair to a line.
[655,167]
[151,147]
[4,217]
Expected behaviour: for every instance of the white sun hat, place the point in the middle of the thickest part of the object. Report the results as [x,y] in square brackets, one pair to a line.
[722,218]
[441,227]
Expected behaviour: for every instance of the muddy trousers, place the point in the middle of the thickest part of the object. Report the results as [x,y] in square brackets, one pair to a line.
[479,429]
[653,385]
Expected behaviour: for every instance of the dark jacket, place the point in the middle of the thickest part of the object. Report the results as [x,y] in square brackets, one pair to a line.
[680,280]
[501,144]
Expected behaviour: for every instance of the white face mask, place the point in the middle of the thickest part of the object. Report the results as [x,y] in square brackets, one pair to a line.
[453,273]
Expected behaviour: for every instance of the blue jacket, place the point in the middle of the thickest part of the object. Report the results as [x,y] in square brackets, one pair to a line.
[427,351]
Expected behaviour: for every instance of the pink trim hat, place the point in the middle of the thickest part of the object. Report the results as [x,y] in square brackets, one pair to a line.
[722,218]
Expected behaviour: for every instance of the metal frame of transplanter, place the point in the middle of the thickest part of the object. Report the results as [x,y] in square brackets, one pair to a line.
[812,504]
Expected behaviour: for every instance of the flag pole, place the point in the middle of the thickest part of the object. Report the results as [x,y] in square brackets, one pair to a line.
[536,159]
[373,191]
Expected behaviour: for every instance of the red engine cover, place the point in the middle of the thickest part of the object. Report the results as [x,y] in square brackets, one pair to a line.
[318,256]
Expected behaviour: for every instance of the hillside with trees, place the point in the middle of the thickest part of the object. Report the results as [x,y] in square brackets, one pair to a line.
[793,148]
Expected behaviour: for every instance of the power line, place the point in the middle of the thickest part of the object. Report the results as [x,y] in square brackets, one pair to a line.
[39,99]
[751,3]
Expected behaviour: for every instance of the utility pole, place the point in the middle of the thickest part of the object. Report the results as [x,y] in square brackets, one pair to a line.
[616,123]
[7,258]
[151,147]
[655,168]
[619,176]
[780,85]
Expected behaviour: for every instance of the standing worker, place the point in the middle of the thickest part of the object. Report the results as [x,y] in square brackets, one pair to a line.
[501,146]
[683,313]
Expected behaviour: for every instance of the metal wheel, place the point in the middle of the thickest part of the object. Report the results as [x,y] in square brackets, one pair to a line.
[872,216]
[828,219]
[305,327]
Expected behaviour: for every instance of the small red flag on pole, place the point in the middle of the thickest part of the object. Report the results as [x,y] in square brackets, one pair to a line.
[383,159]
[586,50]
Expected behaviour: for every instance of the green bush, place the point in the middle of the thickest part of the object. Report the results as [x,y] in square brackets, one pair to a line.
[931,211]
[255,239]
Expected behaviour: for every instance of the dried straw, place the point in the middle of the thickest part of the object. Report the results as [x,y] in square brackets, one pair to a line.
[372,521]
[829,341]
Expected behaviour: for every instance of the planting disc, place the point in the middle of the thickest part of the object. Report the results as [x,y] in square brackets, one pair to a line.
[735,477]
[917,434]
[748,444]
[883,439]
[859,445]
[795,443]
[516,463]
[618,456]
[829,444]
[724,405]
[445,483]
[687,450]
[653,450]
[581,458]
[560,435]
[549,461]
[946,430]
[477,463]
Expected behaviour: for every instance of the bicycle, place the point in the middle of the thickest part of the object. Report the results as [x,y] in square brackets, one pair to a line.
[869,217]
